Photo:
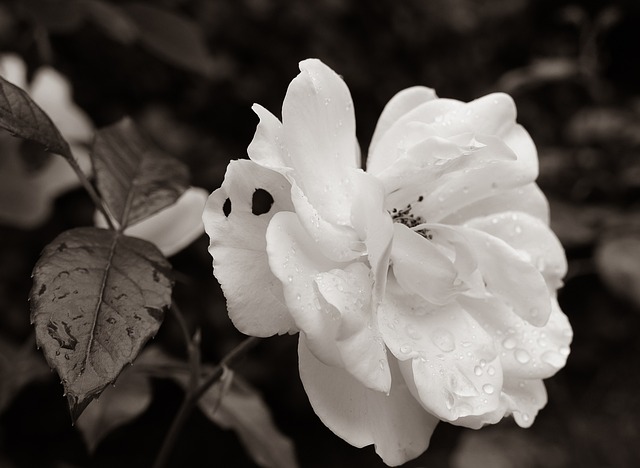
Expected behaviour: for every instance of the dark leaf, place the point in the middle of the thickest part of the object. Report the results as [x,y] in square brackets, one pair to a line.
[19,366]
[173,38]
[135,179]
[97,297]
[242,409]
[22,117]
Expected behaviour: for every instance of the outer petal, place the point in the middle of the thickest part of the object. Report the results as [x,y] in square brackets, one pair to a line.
[319,130]
[404,133]
[395,423]
[358,339]
[399,105]
[238,246]
[267,147]
[532,238]
[443,350]
[526,351]
[515,282]
[493,114]
[296,262]
[339,243]
[172,228]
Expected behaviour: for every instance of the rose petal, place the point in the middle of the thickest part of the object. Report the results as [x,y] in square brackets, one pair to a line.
[421,268]
[267,147]
[404,133]
[358,339]
[296,262]
[373,224]
[238,246]
[517,283]
[489,168]
[525,351]
[446,354]
[532,238]
[339,243]
[319,129]
[395,423]
[399,105]
[528,198]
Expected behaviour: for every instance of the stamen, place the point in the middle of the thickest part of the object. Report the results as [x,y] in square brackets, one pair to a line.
[410,220]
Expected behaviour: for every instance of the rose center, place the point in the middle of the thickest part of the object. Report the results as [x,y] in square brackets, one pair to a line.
[406,217]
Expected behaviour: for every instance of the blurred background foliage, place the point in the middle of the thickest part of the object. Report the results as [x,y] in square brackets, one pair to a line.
[188,71]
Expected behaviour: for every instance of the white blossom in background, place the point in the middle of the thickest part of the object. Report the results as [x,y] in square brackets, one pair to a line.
[26,194]
[173,228]
[424,288]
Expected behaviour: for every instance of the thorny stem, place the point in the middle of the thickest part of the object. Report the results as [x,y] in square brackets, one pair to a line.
[95,198]
[194,394]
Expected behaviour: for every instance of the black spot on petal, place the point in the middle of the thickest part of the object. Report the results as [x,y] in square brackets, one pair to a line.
[261,202]
[226,208]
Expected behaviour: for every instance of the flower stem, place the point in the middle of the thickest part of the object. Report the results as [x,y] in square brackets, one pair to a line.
[194,394]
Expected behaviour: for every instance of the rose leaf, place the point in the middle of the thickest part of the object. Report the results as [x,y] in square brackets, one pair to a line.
[97,297]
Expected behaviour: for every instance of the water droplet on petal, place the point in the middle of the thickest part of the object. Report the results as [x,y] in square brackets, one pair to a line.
[488,389]
[477,370]
[491,371]
[553,359]
[290,279]
[564,350]
[412,332]
[522,356]
[405,349]
[298,296]
[443,339]
[509,343]
[525,417]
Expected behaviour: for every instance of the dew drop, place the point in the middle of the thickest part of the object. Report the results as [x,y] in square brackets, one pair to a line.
[564,350]
[405,349]
[412,332]
[553,359]
[522,356]
[477,370]
[298,296]
[525,417]
[488,389]
[290,279]
[491,371]
[443,339]
[509,343]
[483,363]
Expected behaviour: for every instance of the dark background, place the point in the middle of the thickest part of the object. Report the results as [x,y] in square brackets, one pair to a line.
[573,69]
